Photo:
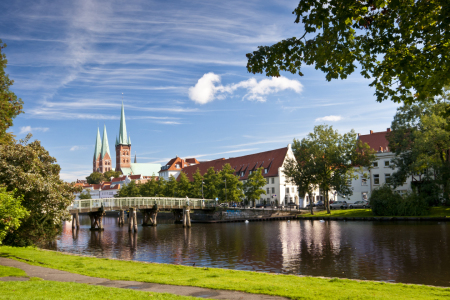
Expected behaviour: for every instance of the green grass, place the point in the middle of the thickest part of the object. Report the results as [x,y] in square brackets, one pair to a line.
[10,271]
[358,213]
[69,290]
[290,286]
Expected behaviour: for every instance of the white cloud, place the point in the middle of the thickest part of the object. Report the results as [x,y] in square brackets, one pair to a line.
[208,88]
[329,118]
[27,129]
[74,148]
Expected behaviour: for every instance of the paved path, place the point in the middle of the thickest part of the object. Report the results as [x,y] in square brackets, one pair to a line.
[63,276]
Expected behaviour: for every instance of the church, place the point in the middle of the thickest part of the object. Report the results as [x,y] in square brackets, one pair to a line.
[102,156]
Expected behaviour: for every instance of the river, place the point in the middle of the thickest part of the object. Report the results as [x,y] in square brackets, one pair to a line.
[408,252]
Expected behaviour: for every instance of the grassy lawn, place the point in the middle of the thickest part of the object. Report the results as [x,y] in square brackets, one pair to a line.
[290,286]
[434,212]
[69,290]
[10,271]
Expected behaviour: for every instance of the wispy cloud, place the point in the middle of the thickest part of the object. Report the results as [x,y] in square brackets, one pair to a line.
[27,129]
[208,88]
[329,119]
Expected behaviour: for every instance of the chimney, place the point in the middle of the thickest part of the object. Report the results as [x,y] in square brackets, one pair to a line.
[371,132]
[388,130]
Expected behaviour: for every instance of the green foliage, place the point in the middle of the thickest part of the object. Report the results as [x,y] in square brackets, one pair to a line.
[11,271]
[196,185]
[129,190]
[86,194]
[400,45]
[253,186]
[171,187]
[34,174]
[10,106]
[327,159]
[420,138]
[386,202]
[95,178]
[161,187]
[149,189]
[230,188]
[108,174]
[211,185]
[11,212]
[183,186]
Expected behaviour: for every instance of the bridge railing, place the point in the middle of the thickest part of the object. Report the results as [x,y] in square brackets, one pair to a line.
[138,202]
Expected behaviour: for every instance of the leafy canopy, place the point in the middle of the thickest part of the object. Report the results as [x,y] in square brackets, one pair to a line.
[402,46]
[11,212]
[253,187]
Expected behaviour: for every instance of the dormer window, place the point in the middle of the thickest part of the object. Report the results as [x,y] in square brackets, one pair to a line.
[177,166]
[242,174]
[250,173]
[265,171]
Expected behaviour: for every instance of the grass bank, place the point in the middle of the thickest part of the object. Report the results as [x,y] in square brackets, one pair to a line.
[290,286]
[435,212]
[36,288]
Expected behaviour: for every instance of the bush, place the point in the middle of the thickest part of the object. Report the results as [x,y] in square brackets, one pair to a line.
[386,202]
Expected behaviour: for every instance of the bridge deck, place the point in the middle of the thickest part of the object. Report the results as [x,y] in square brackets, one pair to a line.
[163,203]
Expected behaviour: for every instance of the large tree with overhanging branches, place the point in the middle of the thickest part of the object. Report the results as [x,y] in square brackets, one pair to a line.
[403,46]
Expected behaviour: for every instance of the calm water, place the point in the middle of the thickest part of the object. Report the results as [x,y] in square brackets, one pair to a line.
[409,252]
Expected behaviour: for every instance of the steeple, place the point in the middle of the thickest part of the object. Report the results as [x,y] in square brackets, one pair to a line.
[123,129]
[105,144]
[98,146]
[117,141]
[135,160]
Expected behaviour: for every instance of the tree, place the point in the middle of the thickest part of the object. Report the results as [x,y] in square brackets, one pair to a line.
[161,187]
[253,186]
[108,174]
[230,188]
[420,138]
[210,187]
[95,178]
[86,194]
[11,212]
[196,185]
[171,187]
[330,161]
[149,189]
[34,174]
[129,190]
[10,106]
[401,45]
[183,186]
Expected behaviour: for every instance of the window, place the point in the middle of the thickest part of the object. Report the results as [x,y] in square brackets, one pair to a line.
[273,180]
[250,172]
[287,190]
[364,181]
[242,174]
[267,179]
[375,164]
[387,177]
[386,163]
[265,171]
[273,190]
[268,190]
[364,196]
[376,178]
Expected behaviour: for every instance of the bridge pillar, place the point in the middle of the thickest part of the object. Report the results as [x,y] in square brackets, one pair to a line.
[186,217]
[97,220]
[178,215]
[121,217]
[149,216]
[132,220]
[75,221]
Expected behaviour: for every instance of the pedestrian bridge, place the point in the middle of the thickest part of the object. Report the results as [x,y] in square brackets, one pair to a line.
[149,207]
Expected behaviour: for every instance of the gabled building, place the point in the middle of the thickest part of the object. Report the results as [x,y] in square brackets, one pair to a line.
[102,156]
[175,165]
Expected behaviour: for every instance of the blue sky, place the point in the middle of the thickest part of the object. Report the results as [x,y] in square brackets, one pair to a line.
[181,67]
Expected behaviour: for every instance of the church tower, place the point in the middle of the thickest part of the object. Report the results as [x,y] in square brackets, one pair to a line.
[123,146]
[97,151]
[105,155]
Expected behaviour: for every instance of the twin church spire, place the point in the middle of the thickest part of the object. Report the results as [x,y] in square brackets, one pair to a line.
[102,155]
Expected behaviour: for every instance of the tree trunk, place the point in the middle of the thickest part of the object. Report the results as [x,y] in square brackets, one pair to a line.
[310,203]
[327,202]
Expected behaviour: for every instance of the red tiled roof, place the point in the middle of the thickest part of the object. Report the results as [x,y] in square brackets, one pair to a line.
[122,178]
[376,140]
[192,161]
[108,187]
[178,161]
[273,158]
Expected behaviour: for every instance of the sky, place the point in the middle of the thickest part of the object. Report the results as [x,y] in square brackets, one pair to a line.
[180,69]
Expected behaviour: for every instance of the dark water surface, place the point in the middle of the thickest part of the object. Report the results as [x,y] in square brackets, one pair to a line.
[409,252]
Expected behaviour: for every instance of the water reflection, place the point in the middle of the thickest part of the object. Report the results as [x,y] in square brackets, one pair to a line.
[399,252]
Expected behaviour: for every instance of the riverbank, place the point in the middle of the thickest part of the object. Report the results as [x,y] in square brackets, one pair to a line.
[435,213]
[290,286]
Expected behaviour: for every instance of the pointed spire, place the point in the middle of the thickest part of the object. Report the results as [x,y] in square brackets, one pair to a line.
[129,140]
[123,129]
[105,144]
[117,141]
[135,159]
[98,145]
